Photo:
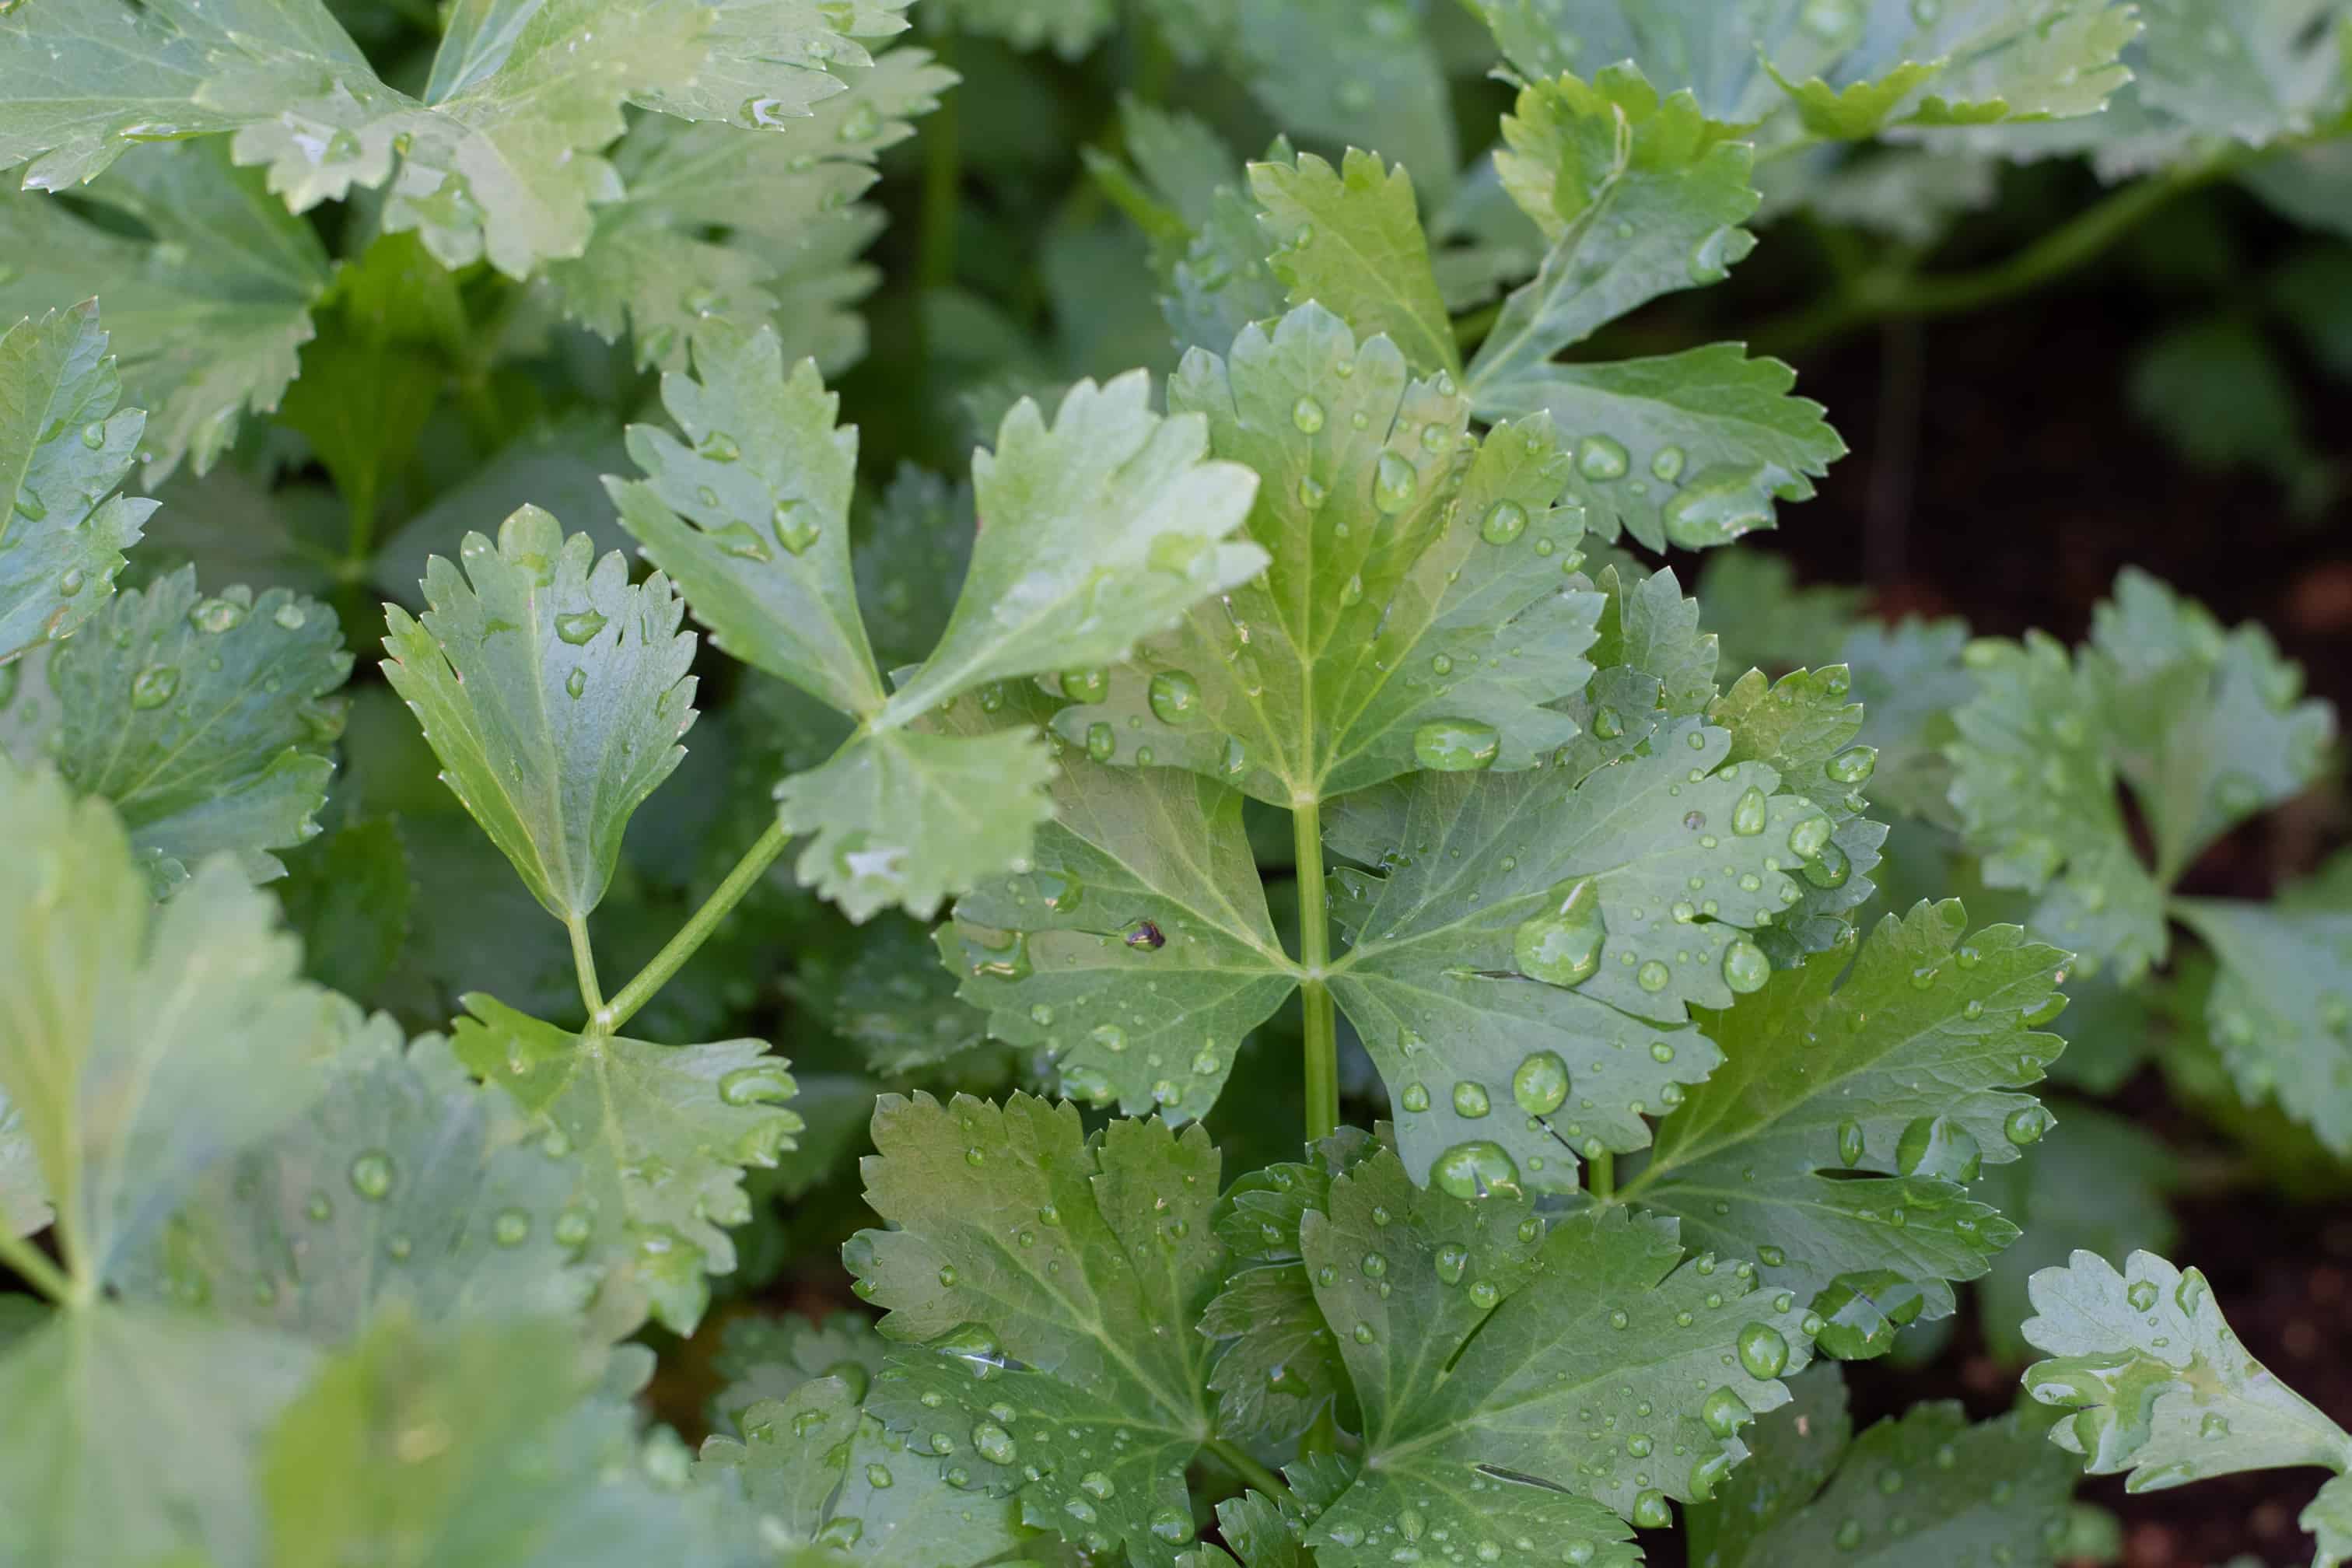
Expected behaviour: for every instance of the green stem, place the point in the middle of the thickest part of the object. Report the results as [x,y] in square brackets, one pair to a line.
[942,179]
[30,1262]
[584,959]
[1878,296]
[1237,1459]
[1601,1178]
[694,933]
[1322,1065]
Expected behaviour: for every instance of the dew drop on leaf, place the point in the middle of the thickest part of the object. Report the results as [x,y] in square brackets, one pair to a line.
[154,686]
[1476,1169]
[1504,521]
[1540,1085]
[1457,745]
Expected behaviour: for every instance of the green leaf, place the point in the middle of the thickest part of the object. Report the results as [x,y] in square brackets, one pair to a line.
[212,307]
[1648,627]
[766,1359]
[757,227]
[1764,620]
[909,562]
[749,515]
[1522,970]
[208,721]
[663,1134]
[1639,194]
[138,1044]
[1477,1343]
[496,158]
[405,1190]
[1926,1487]
[2281,1008]
[1058,1279]
[2257,74]
[2034,788]
[1849,71]
[62,443]
[2223,396]
[1909,680]
[912,818]
[1796,1449]
[1350,75]
[1278,1366]
[1690,449]
[819,1470]
[1062,956]
[1801,727]
[1098,530]
[2097,1182]
[95,1468]
[1349,238]
[1838,1137]
[23,1201]
[553,692]
[474,1443]
[1415,603]
[2163,1390]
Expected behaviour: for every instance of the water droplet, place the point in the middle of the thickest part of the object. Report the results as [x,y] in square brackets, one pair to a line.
[761,1083]
[30,503]
[1668,464]
[2026,1124]
[371,1176]
[1653,977]
[1762,1351]
[216,615]
[1452,1261]
[1175,697]
[1849,1136]
[71,584]
[1938,1147]
[290,616]
[1470,1100]
[1861,1312]
[154,686]
[2215,1426]
[1457,745]
[1102,741]
[1650,1511]
[578,627]
[1744,967]
[1607,725]
[1830,868]
[862,123]
[1849,1534]
[1806,838]
[1749,813]
[1563,945]
[511,1228]
[575,683]
[1539,1087]
[1483,1295]
[1395,484]
[1307,414]
[1504,521]
[572,1228]
[1096,1484]
[1312,493]
[1718,505]
[1474,1170]
[1853,765]
[1414,1097]
[1601,458]
[2141,1294]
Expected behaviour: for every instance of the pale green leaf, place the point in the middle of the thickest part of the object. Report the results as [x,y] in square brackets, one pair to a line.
[470,1443]
[353,901]
[210,307]
[1063,956]
[912,818]
[1764,620]
[1097,532]
[1058,1279]
[96,1467]
[1516,1384]
[1414,610]
[62,446]
[2281,1008]
[1691,450]
[1901,1082]
[2256,73]
[2328,1518]
[1070,27]
[2097,1182]
[1803,728]
[140,1045]
[1648,626]
[1926,1488]
[772,1358]
[1350,239]
[1522,964]
[404,1190]
[1639,194]
[749,515]
[497,160]
[1349,74]
[662,1133]
[208,721]
[783,198]
[819,1470]
[2162,1388]
[1909,680]
[553,693]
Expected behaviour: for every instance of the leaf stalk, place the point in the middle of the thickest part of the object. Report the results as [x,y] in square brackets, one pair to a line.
[610,1015]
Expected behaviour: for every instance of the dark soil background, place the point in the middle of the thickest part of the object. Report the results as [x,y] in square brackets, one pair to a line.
[1998,473]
